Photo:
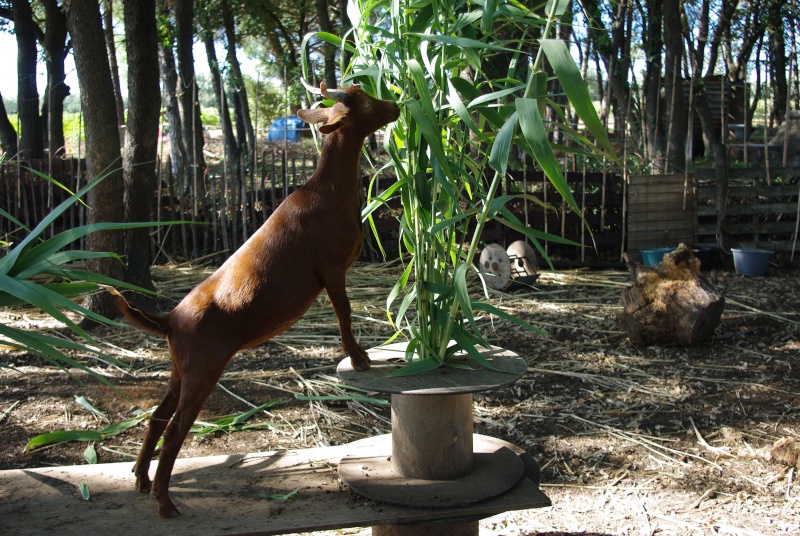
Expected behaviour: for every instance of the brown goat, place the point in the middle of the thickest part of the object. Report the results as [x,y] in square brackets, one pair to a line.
[307,245]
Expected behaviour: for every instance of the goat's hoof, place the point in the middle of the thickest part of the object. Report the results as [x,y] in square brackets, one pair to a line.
[168,510]
[360,366]
[143,484]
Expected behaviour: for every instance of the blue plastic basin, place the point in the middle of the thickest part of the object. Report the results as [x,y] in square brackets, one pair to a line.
[653,256]
[751,261]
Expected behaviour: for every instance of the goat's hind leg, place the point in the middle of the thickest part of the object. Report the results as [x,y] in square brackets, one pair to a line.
[195,391]
[155,428]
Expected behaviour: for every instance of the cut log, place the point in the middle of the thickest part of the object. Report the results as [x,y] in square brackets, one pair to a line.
[672,303]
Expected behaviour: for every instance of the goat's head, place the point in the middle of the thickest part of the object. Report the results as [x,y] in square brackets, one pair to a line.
[353,111]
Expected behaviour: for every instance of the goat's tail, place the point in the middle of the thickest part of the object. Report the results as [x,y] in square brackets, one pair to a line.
[149,323]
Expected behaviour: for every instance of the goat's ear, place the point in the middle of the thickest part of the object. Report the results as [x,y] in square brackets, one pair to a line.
[314,116]
[337,118]
[332,117]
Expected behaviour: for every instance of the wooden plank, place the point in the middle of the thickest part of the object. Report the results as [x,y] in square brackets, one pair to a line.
[749,228]
[749,173]
[751,209]
[216,495]
[776,190]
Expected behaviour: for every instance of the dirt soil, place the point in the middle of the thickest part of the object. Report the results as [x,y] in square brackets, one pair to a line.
[655,440]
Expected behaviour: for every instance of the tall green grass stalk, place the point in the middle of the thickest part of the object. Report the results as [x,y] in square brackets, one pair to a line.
[469,78]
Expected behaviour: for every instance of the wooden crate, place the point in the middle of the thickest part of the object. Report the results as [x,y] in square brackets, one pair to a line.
[660,211]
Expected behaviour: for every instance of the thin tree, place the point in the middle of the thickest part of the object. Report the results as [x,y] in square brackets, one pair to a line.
[56,48]
[102,143]
[31,141]
[8,136]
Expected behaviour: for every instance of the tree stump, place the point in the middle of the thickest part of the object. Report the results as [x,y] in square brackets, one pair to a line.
[672,303]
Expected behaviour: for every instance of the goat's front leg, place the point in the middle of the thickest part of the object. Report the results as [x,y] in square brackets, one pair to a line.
[337,292]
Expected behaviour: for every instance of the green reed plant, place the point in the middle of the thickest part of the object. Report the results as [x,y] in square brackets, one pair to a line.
[469,77]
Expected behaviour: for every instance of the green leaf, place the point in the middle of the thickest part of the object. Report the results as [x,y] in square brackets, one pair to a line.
[574,86]
[343,398]
[418,366]
[280,496]
[81,401]
[84,489]
[498,159]
[535,134]
[90,455]
[63,436]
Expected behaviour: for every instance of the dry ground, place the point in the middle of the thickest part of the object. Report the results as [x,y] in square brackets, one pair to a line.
[630,440]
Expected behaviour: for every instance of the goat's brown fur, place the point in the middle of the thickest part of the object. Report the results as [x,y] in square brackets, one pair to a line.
[306,246]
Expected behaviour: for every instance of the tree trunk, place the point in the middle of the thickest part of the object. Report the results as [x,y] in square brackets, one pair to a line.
[141,134]
[652,44]
[8,136]
[178,153]
[102,144]
[242,106]
[190,106]
[231,147]
[31,141]
[187,90]
[55,51]
[673,86]
[329,51]
[670,304]
[777,14]
[111,47]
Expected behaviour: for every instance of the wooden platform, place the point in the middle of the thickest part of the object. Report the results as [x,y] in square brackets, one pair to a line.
[217,495]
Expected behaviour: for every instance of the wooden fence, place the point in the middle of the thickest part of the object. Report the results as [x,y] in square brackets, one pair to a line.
[227,209]
[763,208]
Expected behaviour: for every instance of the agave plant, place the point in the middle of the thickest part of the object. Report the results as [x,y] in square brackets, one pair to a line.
[468,77]
[41,272]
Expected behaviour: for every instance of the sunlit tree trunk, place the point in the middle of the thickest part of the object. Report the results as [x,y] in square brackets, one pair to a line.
[239,92]
[55,51]
[102,143]
[8,136]
[31,141]
[111,48]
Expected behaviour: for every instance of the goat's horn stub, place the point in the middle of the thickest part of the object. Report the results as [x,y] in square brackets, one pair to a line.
[333,94]
[311,89]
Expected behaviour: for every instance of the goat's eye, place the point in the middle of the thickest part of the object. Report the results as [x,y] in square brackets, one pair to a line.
[367,105]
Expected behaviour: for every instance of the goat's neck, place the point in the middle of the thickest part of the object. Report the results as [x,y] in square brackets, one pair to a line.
[338,163]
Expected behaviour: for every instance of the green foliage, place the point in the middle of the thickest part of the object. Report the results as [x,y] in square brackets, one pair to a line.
[229,423]
[41,272]
[469,101]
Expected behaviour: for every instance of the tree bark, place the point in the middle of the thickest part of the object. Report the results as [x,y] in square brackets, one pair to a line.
[141,134]
[56,49]
[102,144]
[111,47]
[242,106]
[231,147]
[8,136]
[673,86]
[652,118]
[187,88]
[329,51]
[31,141]
[776,15]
